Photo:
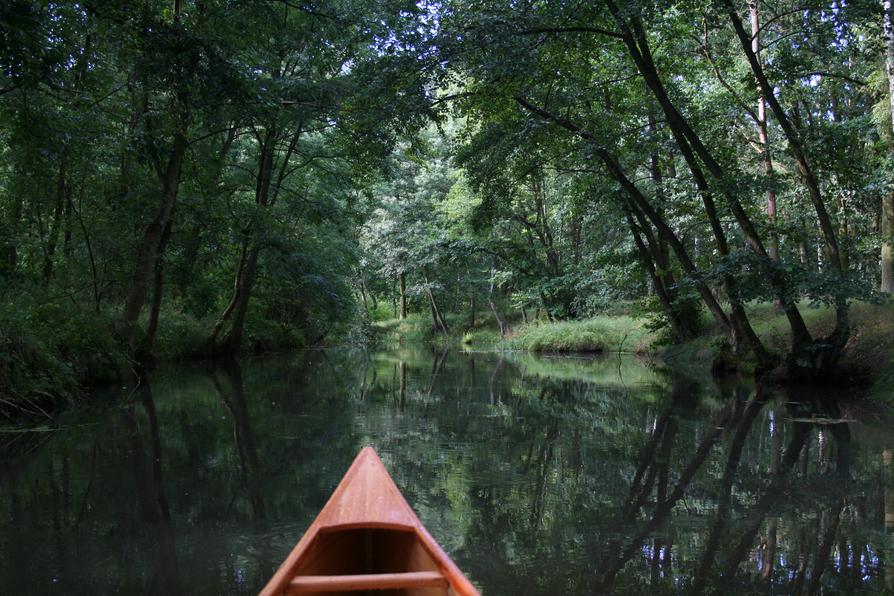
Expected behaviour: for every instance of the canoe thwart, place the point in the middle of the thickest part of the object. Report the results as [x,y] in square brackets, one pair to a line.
[370,581]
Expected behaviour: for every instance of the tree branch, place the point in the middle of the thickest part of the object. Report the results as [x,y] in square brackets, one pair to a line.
[597,30]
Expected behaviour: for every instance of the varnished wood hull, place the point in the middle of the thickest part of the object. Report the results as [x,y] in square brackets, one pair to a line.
[368,539]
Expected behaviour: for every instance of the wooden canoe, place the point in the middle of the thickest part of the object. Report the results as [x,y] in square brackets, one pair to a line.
[368,538]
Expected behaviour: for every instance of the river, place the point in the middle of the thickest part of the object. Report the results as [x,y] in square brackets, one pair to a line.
[537,475]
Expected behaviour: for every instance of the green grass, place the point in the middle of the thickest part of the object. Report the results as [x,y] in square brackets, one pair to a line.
[869,355]
[419,328]
[416,328]
[603,333]
[481,338]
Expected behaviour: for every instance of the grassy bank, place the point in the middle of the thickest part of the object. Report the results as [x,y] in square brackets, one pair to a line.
[867,359]
[603,333]
[599,334]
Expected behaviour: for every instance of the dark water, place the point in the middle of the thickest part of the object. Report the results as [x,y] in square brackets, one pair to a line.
[539,476]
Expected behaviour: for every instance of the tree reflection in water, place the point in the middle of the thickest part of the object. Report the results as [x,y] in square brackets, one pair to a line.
[539,475]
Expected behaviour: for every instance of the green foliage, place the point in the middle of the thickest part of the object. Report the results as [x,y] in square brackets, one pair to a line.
[416,328]
[49,348]
[481,339]
[181,336]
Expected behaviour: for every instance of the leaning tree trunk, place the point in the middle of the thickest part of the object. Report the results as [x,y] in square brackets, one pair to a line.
[148,249]
[225,315]
[763,136]
[680,329]
[493,307]
[637,201]
[437,319]
[691,145]
[157,291]
[247,269]
[233,340]
[887,285]
[822,355]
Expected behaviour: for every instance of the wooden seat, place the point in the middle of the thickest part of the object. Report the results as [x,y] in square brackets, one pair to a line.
[371,581]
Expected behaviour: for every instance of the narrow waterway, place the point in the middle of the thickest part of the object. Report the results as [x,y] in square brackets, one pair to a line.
[537,475]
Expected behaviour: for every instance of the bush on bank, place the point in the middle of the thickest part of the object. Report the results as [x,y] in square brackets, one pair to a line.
[50,350]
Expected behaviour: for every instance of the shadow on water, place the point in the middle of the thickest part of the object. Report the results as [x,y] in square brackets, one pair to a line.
[539,475]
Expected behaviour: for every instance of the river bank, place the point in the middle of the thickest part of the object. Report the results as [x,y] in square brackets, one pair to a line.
[868,359]
[50,353]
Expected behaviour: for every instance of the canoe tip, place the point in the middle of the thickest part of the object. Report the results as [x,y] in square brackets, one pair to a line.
[368,452]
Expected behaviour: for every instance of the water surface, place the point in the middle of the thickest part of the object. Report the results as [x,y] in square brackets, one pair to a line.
[537,475]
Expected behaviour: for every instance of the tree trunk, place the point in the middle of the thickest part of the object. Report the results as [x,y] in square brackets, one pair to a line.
[638,201]
[157,290]
[247,269]
[402,281]
[742,335]
[661,291]
[435,312]
[493,307]
[843,230]
[690,144]
[660,250]
[9,248]
[148,249]
[94,275]
[808,358]
[362,287]
[820,357]
[49,249]
[763,137]
[232,342]
[887,285]
[63,200]
[472,308]
[237,283]
[500,323]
